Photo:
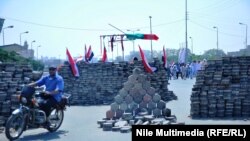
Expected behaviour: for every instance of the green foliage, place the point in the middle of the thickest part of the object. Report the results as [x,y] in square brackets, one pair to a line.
[212,54]
[14,57]
[172,55]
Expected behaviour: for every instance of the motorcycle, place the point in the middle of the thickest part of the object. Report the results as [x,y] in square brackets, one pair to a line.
[30,116]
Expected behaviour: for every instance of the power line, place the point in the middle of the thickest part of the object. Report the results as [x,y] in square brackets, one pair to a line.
[87,29]
[215,5]
[52,26]
[228,34]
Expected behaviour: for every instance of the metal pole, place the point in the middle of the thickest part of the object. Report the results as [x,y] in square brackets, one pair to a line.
[3,37]
[20,39]
[217,43]
[186,32]
[31,44]
[150,17]
[246,36]
[11,26]
[37,51]
[191,45]
[246,33]
[133,31]
[21,36]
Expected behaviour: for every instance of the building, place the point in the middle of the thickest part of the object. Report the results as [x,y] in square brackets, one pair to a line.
[21,50]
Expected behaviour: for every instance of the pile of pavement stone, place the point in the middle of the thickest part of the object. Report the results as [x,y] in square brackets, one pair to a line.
[137,103]
[12,77]
[99,83]
[222,89]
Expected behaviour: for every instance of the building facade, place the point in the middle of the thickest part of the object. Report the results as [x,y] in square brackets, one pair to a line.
[21,50]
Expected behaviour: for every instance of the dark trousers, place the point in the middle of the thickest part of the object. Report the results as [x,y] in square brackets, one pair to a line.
[47,105]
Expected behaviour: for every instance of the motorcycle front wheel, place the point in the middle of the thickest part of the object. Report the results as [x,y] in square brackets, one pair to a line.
[14,127]
[55,120]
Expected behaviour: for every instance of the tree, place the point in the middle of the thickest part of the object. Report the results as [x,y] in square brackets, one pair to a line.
[212,54]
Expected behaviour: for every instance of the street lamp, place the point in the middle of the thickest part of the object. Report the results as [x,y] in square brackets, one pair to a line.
[21,36]
[246,32]
[133,31]
[192,44]
[37,51]
[150,17]
[217,52]
[31,44]
[11,26]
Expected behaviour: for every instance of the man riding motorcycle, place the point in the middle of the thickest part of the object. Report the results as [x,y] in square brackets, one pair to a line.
[53,92]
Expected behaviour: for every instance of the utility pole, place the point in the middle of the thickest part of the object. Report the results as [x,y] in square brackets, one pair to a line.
[186,14]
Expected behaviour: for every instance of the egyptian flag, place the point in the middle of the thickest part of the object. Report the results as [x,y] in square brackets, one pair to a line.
[90,54]
[148,68]
[104,56]
[79,59]
[73,66]
[164,58]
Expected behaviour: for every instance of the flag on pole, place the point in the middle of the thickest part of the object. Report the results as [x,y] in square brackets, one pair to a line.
[112,43]
[182,54]
[122,42]
[104,56]
[73,66]
[165,58]
[148,68]
[85,53]
[142,36]
[89,54]
[79,59]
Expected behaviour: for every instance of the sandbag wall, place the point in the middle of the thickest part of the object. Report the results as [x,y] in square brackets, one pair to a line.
[222,89]
[99,83]
[12,76]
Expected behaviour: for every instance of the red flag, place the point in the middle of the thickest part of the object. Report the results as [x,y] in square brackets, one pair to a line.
[164,57]
[89,51]
[73,66]
[104,56]
[145,62]
[151,37]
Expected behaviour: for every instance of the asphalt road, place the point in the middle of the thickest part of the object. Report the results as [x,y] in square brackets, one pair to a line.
[80,123]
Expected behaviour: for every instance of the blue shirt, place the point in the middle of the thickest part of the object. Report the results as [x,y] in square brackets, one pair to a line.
[52,84]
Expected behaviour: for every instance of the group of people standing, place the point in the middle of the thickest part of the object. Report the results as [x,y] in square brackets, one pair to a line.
[185,71]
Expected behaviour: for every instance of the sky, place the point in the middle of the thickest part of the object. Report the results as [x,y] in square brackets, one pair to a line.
[59,24]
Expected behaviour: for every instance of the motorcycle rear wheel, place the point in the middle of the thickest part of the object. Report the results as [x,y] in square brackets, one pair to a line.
[55,120]
[14,127]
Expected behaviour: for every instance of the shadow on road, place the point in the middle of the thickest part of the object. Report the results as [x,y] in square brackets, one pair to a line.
[44,136]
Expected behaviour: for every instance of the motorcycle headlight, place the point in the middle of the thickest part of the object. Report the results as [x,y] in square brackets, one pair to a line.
[24,100]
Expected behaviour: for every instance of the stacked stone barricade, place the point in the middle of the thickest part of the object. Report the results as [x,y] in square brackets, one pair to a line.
[99,83]
[12,77]
[222,89]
